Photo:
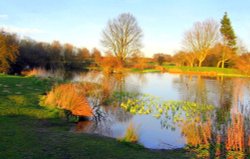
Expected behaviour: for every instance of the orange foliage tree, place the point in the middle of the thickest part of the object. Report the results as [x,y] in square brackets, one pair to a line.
[8,51]
[111,64]
[243,63]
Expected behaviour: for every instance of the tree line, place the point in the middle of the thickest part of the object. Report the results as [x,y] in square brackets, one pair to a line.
[18,54]
[206,44]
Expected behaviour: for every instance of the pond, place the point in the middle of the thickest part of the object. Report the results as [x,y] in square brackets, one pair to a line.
[202,109]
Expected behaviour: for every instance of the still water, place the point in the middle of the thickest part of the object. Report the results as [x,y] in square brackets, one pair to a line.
[220,111]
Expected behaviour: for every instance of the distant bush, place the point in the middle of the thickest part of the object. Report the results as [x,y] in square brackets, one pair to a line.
[34,72]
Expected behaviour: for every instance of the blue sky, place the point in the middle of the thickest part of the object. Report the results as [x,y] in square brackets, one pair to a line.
[81,22]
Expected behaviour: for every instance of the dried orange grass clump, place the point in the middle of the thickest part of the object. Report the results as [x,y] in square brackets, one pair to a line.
[67,96]
[197,134]
[235,138]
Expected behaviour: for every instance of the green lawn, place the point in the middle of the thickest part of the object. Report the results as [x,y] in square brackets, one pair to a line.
[30,131]
[204,69]
[209,71]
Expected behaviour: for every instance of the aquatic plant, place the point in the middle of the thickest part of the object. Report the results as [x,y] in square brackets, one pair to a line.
[175,110]
[131,134]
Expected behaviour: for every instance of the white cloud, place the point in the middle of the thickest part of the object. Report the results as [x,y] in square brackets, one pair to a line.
[20,30]
[4,16]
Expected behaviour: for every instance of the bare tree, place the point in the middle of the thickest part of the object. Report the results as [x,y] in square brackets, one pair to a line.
[122,36]
[190,58]
[202,37]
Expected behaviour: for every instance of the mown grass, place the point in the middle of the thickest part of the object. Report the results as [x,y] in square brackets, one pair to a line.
[147,70]
[28,130]
[206,71]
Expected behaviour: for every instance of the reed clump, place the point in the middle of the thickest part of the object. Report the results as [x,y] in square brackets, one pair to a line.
[68,97]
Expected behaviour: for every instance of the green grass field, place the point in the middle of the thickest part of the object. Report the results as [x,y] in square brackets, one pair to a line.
[28,130]
[207,71]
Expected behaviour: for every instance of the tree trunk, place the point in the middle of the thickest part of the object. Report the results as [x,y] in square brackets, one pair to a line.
[222,64]
[200,63]
[191,64]
[218,64]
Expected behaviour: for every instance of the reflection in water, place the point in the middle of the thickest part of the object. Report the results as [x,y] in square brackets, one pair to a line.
[222,129]
[105,98]
[227,130]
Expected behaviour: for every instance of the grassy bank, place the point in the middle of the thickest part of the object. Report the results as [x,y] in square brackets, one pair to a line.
[28,130]
[206,71]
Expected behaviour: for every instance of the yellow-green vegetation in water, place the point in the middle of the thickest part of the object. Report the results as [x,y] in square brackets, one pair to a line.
[131,134]
[177,111]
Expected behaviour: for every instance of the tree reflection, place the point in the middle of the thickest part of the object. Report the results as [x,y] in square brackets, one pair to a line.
[227,130]
[212,114]
[105,93]
[192,88]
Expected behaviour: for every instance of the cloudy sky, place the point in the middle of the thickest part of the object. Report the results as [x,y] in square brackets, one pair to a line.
[81,22]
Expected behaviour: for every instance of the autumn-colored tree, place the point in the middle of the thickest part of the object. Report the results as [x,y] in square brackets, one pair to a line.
[179,58]
[122,36]
[96,55]
[243,63]
[202,37]
[110,64]
[55,50]
[241,47]
[68,52]
[83,54]
[8,51]
[190,58]
[223,53]
[17,55]
[141,63]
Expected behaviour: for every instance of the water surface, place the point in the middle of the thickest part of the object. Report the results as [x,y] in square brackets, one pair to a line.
[228,122]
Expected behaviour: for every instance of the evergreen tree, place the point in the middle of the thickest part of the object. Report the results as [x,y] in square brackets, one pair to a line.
[228,32]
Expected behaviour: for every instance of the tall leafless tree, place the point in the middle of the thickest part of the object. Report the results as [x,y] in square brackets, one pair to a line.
[202,37]
[122,36]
